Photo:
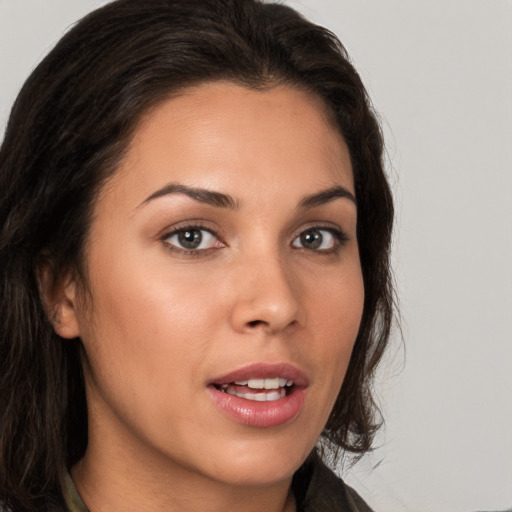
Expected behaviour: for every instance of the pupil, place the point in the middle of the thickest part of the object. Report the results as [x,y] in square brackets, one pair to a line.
[311,239]
[190,239]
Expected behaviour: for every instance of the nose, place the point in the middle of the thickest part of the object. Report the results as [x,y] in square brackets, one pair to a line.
[268,297]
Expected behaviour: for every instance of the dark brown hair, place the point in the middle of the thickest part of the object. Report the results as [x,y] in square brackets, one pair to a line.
[67,131]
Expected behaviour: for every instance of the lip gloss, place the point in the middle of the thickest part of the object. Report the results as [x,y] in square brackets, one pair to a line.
[256,413]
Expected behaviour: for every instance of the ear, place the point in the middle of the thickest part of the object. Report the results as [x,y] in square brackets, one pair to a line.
[59,297]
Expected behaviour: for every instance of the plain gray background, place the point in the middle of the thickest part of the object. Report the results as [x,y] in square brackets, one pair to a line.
[440,75]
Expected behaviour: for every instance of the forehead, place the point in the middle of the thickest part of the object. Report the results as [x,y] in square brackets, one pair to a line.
[225,135]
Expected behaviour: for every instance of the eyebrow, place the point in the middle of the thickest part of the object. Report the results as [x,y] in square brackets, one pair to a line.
[199,194]
[221,200]
[325,196]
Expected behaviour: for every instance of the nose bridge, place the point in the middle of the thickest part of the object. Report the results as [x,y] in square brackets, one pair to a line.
[268,297]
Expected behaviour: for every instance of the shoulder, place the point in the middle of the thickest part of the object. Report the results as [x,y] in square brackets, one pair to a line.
[318,489]
[357,503]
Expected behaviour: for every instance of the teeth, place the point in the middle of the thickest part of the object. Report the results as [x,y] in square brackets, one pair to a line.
[271,383]
[256,383]
[259,397]
[275,395]
[274,383]
[276,386]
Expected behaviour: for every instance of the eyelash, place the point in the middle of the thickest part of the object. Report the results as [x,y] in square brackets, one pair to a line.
[340,238]
[189,252]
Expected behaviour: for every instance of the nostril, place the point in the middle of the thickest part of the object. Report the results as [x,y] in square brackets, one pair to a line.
[255,323]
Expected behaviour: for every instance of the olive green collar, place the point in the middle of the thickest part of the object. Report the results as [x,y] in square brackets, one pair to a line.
[72,499]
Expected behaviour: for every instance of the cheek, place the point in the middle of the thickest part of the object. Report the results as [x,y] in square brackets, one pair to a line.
[336,306]
[141,351]
[148,319]
[336,316]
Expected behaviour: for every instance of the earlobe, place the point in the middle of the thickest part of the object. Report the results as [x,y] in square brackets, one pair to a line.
[59,297]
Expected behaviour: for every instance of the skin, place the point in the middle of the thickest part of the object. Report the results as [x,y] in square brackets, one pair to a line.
[158,323]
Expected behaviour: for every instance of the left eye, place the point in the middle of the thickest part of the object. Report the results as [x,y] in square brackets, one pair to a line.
[190,239]
[316,240]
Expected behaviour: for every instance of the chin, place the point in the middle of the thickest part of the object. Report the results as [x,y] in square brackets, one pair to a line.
[262,464]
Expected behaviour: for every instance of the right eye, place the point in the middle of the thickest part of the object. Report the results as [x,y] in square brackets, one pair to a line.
[191,239]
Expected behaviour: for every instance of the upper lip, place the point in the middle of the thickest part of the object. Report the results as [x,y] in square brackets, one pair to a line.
[264,371]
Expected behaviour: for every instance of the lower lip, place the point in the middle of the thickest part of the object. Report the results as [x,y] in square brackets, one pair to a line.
[259,414]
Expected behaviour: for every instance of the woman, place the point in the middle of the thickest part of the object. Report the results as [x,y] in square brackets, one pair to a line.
[195,230]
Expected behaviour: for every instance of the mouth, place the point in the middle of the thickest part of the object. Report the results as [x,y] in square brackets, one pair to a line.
[261,395]
[259,390]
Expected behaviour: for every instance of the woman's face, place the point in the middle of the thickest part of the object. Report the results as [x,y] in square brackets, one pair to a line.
[225,287]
